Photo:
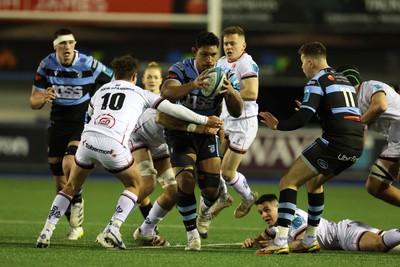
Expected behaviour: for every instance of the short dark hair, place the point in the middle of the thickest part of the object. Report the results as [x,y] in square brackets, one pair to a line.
[124,67]
[62,32]
[206,39]
[314,49]
[351,72]
[233,30]
[266,197]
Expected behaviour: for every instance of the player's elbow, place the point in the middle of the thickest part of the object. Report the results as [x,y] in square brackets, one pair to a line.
[168,94]
[34,105]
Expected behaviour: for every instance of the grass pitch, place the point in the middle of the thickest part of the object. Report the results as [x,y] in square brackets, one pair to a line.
[25,203]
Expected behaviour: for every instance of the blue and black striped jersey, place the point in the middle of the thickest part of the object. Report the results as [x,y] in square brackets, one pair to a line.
[73,85]
[334,100]
[185,72]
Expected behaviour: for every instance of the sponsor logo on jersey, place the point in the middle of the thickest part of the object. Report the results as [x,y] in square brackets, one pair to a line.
[198,102]
[68,91]
[377,86]
[312,82]
[105,120]
[330,77]
[342,157]
[306,95]
[297,222]
[38,77]
[106,70]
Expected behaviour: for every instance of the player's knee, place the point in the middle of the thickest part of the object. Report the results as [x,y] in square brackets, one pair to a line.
[56,169]
[228,175]
[186,178]
[188,172]
[71,150]
[209,180]
[147,168]
[167,178]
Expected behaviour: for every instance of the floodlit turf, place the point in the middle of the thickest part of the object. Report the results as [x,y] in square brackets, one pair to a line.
[25,202]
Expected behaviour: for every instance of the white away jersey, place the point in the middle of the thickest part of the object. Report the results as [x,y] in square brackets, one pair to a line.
[326,230]
[391,115]
[243,68]
[117,106]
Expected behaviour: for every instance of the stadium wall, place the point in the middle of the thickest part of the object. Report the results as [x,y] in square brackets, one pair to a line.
[23,150]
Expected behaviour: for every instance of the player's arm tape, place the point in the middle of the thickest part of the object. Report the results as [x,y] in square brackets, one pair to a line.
[191,127]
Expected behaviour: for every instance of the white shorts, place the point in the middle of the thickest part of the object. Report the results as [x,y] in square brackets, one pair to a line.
[149,134]
[241,133]
[393,137]
[96,147]
[157,149]
[350,232]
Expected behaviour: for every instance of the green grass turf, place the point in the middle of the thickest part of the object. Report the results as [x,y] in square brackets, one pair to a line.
[25,202]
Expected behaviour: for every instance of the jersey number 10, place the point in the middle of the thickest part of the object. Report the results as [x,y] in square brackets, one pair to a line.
[115,102]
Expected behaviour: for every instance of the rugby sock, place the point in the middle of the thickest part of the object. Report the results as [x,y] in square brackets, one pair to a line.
[315,208]
[78,197]
[239,184]
[186,205]
[311,235]
[286,207]
[58,208]
[281,235]
[223,190]
[68,213]
[193,233]
[126,203]
[145,209]
[156,214]
[391,238]
[286,210]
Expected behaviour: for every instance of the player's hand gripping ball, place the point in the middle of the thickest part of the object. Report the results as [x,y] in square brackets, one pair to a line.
[216,80]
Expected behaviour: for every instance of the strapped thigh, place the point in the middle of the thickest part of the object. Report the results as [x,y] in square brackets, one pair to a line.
[380,172]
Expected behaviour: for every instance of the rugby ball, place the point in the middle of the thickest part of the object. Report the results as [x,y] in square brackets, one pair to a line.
[216,79]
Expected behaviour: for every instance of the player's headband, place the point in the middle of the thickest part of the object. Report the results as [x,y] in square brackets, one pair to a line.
[63,38]
[351,73]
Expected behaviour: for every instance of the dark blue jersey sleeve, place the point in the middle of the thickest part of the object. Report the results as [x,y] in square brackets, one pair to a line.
[298,120]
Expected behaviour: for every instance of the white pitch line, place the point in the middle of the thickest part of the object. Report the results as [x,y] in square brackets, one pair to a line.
[162,225]
[181,246]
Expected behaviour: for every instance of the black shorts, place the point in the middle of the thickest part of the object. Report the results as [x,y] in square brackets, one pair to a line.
[181,143]
[326,160]
[59,134]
